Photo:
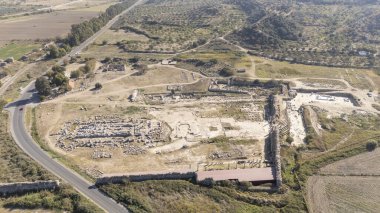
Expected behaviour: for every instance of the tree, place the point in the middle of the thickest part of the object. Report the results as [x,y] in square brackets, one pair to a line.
[289,139]
[59,79]
[55,52]
[104,42]
[75,74]
[57,68]
[98,86]
[226,72]
[371,145]
[134,60]
[214,61]
[43,86]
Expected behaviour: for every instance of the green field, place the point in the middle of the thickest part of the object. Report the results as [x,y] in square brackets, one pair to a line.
[16,50]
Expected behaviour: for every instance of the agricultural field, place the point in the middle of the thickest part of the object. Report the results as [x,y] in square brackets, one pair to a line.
[42,26]
[173,26]
[317,33]
[20,8]
[17,49]
[366,163]
[349,185]
[343,194]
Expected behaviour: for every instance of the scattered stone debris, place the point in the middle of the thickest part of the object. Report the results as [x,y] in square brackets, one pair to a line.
[101,154]
[93,172]
[133,150]
[110,131]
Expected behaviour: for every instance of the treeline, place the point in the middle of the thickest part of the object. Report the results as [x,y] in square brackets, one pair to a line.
[81,32]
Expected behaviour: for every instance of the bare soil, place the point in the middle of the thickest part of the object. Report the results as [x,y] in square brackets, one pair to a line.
[343,194]
[42,26]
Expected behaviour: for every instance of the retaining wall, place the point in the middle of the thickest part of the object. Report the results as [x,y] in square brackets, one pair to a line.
[274,137]
[23,187]
[355,101]
[228,91]
[143,177]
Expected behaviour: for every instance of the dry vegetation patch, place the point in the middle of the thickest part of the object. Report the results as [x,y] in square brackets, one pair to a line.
[343,194]
[362,164]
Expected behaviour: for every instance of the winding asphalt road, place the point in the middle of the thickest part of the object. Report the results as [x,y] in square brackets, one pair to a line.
[30,147]
[27,144]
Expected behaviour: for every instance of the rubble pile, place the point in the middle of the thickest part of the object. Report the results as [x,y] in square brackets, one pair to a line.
[236,153]
[109,131]
[101,154]
[133,150]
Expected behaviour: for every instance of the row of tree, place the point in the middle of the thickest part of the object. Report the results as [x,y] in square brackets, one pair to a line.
[81,32]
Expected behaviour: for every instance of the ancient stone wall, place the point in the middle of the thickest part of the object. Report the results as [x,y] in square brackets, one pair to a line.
[227,90]
[274,137]
[23,187]
[355,101]
[143,177]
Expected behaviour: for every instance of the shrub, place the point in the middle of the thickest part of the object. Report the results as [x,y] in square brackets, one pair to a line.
[289,139]
[98,86]
[245,185]
[43,86]
[371,145]
[75,74]
[226,72]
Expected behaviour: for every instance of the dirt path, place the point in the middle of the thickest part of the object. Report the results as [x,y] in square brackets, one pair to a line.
[341,141]
[10,81]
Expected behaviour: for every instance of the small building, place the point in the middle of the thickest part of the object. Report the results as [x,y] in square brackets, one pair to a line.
[168,62]
[241,70]
[3,64]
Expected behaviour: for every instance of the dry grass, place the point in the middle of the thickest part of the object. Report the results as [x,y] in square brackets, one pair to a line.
[343,194]
[276,69]
[114,36]
[366,163]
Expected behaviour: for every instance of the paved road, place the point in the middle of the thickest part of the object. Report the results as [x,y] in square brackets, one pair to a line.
[27,144]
